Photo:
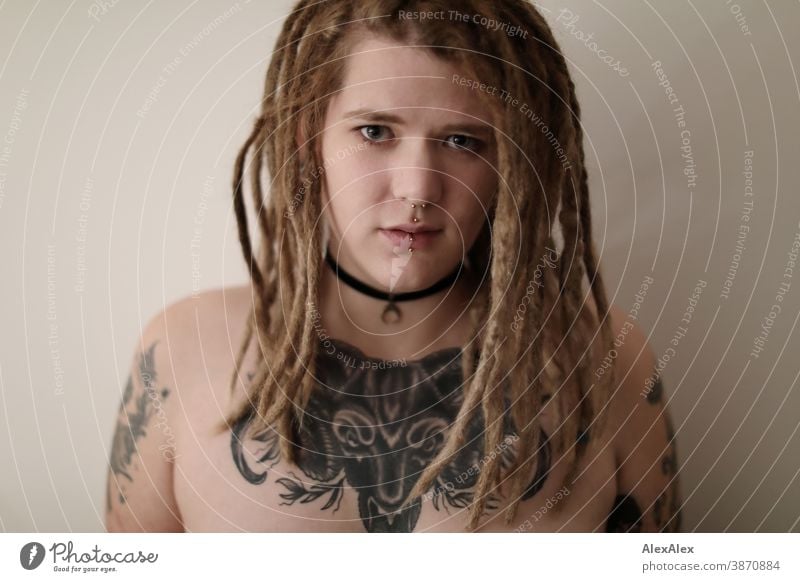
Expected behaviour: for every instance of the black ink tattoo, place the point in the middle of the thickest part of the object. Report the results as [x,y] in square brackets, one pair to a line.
[583,437]
[299,492]
[131,425]
[266,450]
[655,394]
[377,430]
[625,516]
[666,507]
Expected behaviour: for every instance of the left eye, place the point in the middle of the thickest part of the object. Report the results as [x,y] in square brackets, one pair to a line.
[464,142]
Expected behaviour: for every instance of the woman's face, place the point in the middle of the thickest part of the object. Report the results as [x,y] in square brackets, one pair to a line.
[402,130]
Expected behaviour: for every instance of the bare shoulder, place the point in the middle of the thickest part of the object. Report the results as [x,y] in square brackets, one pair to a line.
[644,444]
[197,316]
[638,387]
[205,333]
[204,330]
[177,346]
[631,356]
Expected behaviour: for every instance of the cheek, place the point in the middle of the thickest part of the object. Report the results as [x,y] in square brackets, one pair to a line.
[466,222]
[486,180]
[355,187]
[475,221]
[352,197]
[476,180]
[342,211]
[475,201]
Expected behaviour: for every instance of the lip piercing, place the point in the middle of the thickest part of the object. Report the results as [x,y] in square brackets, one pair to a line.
[415,219]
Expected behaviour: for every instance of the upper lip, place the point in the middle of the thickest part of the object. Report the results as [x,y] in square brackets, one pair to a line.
[415,227]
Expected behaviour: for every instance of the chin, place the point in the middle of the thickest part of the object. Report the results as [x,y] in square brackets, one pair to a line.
[411,272]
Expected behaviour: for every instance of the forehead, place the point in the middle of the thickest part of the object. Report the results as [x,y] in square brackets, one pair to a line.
[383,74]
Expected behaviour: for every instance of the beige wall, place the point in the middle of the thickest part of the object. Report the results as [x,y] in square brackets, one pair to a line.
[101,188]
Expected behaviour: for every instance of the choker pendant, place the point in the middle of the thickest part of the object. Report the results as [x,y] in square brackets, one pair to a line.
[391,313]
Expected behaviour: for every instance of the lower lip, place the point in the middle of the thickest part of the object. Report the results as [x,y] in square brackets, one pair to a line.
[402,238]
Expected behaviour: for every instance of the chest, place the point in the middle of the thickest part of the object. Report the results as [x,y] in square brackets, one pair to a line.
[359,458]
[214,495]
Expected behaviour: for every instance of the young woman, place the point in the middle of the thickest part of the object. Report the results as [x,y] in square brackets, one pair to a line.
[418,352]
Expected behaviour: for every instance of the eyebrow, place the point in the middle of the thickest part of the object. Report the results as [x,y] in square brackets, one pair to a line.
[480,129]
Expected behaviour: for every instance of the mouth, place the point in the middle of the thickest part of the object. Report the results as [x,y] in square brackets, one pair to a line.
[417,240]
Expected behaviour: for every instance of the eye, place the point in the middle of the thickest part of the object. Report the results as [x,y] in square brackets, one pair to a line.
[464,142]
[375,133]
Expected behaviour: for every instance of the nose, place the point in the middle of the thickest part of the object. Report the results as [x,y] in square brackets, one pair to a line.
[415,175]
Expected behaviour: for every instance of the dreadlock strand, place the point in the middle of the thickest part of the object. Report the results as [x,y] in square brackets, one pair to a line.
[240,354]
[488,475]
[457,432]
[525,413]
[241,211]
[309,347]
[300,333]
[493,393]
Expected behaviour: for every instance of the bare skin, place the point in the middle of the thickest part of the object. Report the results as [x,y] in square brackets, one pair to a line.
[201,481]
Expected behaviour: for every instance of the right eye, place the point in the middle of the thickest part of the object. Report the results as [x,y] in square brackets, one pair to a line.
[375,133]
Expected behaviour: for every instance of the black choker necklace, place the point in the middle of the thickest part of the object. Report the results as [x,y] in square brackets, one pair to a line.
[391,314]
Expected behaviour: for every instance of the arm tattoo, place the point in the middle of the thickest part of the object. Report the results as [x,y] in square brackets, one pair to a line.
[376,430]
[625,515]
[666,508]
[131,425]
[656,392]
[666,511]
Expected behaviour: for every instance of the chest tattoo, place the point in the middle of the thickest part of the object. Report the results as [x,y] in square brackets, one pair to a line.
[375,427]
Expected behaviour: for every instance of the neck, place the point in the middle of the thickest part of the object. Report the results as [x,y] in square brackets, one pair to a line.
[429,323]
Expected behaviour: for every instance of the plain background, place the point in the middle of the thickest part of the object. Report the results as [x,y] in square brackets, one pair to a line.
[113,152]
